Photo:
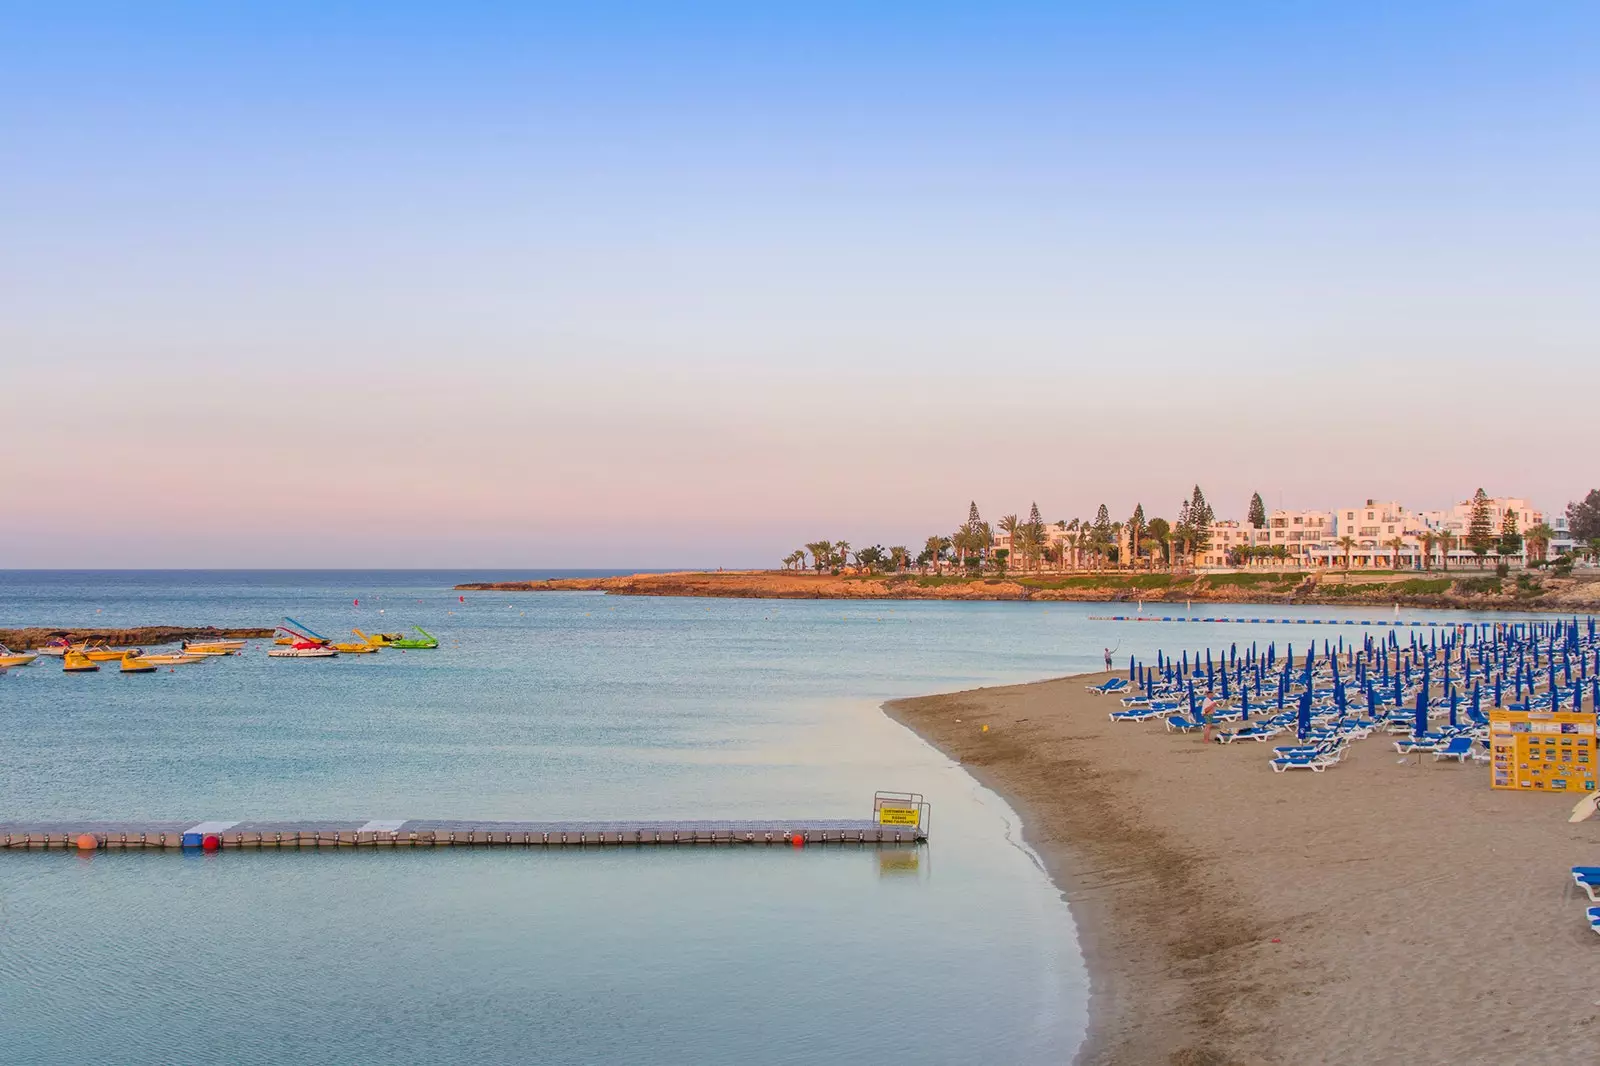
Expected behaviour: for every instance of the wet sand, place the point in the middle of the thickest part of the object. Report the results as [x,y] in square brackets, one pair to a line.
[1382,911]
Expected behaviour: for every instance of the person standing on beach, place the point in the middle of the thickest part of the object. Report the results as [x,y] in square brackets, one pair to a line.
[1208,708]
[1108,660]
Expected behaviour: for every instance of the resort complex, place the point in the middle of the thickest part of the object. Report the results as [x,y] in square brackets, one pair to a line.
[1480,530]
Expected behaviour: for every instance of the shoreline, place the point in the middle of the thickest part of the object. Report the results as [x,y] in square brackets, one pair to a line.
[1386,910]
[1453,590]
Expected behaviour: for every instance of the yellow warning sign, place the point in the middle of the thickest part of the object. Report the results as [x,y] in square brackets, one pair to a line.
[1542,751]
[898,816]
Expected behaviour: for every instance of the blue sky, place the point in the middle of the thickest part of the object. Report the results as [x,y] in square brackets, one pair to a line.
[734,278]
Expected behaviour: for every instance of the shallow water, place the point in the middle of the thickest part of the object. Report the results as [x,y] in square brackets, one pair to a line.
[536,706]
[549,706]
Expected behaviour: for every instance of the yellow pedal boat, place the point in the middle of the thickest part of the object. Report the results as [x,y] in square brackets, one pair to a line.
[354,648]
[134,663]
[75,662]
[379,640]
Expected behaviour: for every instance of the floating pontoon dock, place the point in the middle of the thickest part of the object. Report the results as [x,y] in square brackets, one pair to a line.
[898,818]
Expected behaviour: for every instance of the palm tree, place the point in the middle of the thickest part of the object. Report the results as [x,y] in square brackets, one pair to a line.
[1394,544]
[936,547]
[1012,526]
[1149,546]
[1447,540]
[900,557]
[1347,543]
[1428,538]
[1061,543]
[841,553]
[1538,539]
[821,554]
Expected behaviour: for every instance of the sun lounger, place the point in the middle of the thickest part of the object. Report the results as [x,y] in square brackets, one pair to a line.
[1115,684]
[1181,724]
[1594,919]
[1140,714]
[1588,879]
[1314,763]
[1411,744]
[1459,749]
[1253,731]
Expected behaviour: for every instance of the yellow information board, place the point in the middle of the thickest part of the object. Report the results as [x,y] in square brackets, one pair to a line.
[1542,751]
[898,816]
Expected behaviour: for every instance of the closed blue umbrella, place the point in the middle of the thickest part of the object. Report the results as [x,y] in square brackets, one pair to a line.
[1224,682]
[1244,704]
[1420,726]
[1453,702]
[1372,701]
[1303,722]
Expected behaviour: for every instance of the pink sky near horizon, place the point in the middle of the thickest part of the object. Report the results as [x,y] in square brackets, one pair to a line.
[264,466]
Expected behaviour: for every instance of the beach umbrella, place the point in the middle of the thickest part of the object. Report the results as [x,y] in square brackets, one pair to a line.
[1338,696]
[1498,702]
[1130,669]
[1283,685]
[1194,707]
[1303,721]
[1453,702]
[1372,701]
[1224,682]
[1420,725]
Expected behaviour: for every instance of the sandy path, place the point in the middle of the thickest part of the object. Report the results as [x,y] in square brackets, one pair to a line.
[1377,912]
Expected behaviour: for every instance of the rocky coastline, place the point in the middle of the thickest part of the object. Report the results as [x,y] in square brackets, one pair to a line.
[1454,590]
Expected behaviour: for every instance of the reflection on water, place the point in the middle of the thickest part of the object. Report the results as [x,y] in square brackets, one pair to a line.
[555,709]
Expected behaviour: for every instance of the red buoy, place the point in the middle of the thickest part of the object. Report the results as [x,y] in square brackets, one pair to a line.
[798,841]
[88,842]
[211,842]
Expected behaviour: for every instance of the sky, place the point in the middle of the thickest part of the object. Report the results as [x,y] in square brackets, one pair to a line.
[616,285]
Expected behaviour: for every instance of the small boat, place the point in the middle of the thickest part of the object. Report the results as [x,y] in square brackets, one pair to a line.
[355,647]
[75,662]
[427,640]
[101,654]
[173,659]
[9,658]
[135,663]
[56,648]
[293,633]
[213,647]
[304,649]
[379,640]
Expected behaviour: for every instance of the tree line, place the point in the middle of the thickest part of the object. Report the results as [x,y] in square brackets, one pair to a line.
[1152,543]
[1034,544]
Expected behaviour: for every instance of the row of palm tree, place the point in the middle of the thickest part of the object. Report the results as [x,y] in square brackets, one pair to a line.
[1084,544]
[1032,545]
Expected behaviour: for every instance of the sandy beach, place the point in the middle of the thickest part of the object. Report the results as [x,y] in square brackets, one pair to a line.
[1388,910]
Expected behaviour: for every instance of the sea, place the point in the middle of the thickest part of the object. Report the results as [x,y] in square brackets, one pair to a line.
[534,706]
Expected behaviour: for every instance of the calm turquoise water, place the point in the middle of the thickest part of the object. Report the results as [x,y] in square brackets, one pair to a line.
[536,706]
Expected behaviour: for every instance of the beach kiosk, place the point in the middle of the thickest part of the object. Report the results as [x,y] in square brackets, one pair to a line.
[1542,751]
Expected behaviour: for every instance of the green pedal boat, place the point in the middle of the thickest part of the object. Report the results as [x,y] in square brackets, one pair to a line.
[427,640]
